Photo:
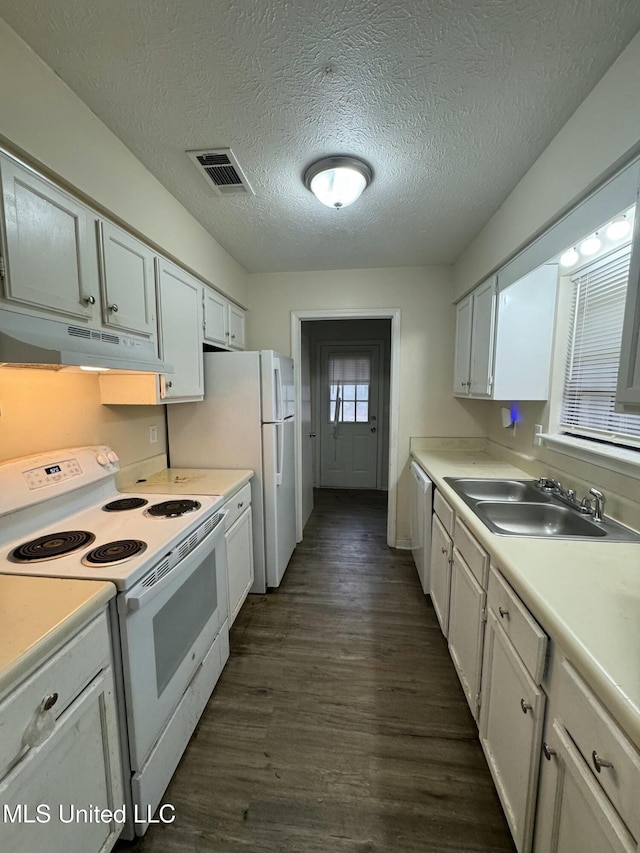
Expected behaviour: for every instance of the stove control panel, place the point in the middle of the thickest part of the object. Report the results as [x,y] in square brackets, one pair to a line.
[45,475]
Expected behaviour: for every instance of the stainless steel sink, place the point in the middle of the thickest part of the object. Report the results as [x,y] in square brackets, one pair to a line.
[537,519]
[498,490]
[521,508]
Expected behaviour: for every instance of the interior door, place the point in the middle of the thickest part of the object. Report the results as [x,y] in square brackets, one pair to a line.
[349,416]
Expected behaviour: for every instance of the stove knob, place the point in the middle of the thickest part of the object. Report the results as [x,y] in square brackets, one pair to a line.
[112,457]
[102,460]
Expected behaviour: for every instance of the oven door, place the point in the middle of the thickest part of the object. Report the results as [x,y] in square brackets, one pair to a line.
[166,629]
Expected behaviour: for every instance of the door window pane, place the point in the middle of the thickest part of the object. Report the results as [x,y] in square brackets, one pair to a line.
[362,412]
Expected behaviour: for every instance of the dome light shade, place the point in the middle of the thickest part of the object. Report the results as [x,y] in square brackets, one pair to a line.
[569,258]
[591,245]
[338,181]
[619,228]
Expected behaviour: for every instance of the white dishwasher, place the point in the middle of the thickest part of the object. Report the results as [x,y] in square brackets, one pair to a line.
[422,505]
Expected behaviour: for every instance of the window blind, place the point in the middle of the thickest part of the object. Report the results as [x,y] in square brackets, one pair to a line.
[349,368]
[594,352]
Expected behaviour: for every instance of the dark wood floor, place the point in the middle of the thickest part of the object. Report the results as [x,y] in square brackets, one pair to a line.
[338,723]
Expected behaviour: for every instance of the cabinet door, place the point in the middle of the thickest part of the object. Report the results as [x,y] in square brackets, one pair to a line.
[236,327]
[180,300]
[440,579]
[574,815]
[52,260]
[628,390]
[216,318]
[77,766]
[482,339]
[466,628]
[511,719]
[128,290]
[462,356]
[239,562]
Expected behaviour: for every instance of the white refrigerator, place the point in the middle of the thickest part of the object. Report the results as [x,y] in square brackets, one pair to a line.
[247,421]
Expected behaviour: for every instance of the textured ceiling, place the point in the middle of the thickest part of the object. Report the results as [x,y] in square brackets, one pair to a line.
[449,101]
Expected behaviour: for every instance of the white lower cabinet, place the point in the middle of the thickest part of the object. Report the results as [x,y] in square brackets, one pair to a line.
[74,764]
[512,705]
[467,617]
[440,578]
[239,539]
[589,799]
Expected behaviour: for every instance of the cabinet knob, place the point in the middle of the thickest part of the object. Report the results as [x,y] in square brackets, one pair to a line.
[89,300]
[503,613]
[49,701]
[547,751]
[525,706]
[241,504]
[598,762]
[233,337]
[113,307]
[444,550]
[168,384]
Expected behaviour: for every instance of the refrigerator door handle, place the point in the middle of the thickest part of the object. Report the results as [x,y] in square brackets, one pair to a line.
[278,415]
[279,453]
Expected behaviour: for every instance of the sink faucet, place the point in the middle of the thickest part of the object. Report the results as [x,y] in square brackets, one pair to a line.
[598,510]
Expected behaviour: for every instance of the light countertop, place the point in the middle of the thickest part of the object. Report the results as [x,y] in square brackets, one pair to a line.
[38,614]
[192,481]
[585,594]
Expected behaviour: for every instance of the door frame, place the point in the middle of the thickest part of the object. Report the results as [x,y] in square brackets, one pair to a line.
[392,314]
[364,344]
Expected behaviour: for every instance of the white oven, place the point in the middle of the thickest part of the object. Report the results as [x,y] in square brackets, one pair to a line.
[168,622]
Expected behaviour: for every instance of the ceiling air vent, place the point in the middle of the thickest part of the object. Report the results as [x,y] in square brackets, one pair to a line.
[221,171]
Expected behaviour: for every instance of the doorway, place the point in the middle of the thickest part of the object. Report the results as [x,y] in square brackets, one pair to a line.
[347,403]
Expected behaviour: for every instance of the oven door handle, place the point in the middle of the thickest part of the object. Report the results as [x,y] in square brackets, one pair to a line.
[140,595]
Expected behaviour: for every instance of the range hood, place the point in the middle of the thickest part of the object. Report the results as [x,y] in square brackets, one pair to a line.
[28,340]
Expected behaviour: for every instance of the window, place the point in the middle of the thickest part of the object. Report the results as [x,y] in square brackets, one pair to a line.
[594,352]
[349,380]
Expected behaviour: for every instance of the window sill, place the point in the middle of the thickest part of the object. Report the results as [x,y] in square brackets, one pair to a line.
[618,459]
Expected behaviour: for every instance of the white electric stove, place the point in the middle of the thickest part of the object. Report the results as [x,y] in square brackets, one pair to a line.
[62,516]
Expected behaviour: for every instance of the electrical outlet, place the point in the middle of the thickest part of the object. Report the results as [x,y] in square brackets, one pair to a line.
[537,434]
[153,434]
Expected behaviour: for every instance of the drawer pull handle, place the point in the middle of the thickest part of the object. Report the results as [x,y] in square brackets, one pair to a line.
[503,613]
[547,751]
[49,701]
[598,762]
[525,706]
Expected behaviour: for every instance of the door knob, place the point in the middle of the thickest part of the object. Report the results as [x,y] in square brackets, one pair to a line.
[373,429]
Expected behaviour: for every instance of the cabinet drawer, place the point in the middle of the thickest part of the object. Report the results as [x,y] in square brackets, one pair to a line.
[444,512]
[528,638]
[474,554]
[593,730]
[66,673]
[236,505]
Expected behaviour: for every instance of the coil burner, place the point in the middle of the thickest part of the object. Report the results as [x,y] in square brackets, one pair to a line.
[123,504]
[51,546]
[172,509]
[114,552]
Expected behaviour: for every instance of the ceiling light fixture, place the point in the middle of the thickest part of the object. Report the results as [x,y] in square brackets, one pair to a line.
[569,258]
[591,245]
[339,180]
[619,228]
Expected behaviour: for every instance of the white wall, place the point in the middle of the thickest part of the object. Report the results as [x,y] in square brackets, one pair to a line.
[42,118]
[602,133]
[427,407]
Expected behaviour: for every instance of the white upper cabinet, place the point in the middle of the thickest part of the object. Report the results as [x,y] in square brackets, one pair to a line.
[463,346]
[50,248]
[628,390]
[504,338]
[223,321]
[126,266]
[180,300]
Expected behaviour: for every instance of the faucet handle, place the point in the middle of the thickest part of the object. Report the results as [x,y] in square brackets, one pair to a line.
[598,510]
